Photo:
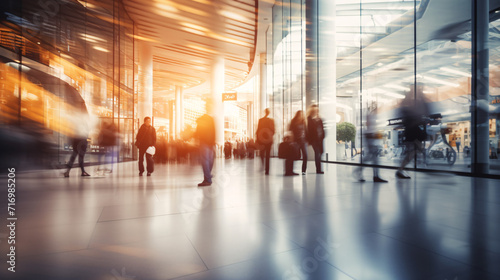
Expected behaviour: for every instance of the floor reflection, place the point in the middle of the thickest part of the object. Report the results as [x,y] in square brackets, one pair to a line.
[251,226]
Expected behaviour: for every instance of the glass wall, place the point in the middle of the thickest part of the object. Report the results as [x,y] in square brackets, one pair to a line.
[66,67]
[286,53]
[386,60]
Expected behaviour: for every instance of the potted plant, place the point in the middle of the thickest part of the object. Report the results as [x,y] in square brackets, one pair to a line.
[346,132]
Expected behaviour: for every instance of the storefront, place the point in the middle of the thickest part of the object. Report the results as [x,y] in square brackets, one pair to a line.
[362,59]
[66,67]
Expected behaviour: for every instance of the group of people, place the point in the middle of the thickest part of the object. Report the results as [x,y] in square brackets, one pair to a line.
[239,148]
[303,131]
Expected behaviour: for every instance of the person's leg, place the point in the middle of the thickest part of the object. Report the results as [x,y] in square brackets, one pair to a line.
[288,166]
[205,163]
[267,154]
[211,159]
[304,157]
[71,161]
[317,158]
[150,163]
[410,154]
[82,149]
[141,160]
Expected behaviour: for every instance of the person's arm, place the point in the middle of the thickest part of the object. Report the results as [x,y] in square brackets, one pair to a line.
[139,135]
[154,136]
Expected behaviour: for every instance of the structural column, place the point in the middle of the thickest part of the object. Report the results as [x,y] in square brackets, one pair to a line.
[311,74]
[480,87]
[145,106]
[325,61]
[179,112]
[263,82]
[217,88]
[250,129]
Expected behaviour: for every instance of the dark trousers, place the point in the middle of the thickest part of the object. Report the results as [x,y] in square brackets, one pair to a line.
[303,151]
[149,161]
[288,166]
[317,157]
[207,155]
[265,155]
[79,148]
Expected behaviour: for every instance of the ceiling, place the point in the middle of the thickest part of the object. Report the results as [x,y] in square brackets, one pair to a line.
[187,35]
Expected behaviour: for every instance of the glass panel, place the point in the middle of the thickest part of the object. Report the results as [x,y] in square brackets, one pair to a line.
[347,120]
[387,41]
[494,89]
[278,82]
[66,58]
[444,74]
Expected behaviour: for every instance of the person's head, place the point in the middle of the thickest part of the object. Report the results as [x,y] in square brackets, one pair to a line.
[147,121]
[299,116]
[313,111]
[266,112]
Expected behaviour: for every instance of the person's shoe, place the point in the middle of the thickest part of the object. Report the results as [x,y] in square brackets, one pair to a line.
[149,174]
[85,174]
[303,173]
[204,184]
[140,173]
[402,175]
[320,172]
[377,179]
[66,174]
[291,174]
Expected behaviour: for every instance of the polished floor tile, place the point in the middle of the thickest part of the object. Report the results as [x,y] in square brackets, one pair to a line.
[251,226]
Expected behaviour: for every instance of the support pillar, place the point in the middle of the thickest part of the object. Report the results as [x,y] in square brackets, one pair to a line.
[179,112]
[250,117]
[327,81]
[217,88]
[145,106]
[480,87]
[263,82]
[311,74]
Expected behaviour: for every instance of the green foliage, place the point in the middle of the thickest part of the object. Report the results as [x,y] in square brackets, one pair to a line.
[346,132]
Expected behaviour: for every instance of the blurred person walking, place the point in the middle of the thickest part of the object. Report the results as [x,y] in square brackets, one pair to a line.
[298,128]
[79,140]
[146,137]
[315,135]
[79,146]
[205,134]
[265,133]
[107,138]
[413,110]
[372,136]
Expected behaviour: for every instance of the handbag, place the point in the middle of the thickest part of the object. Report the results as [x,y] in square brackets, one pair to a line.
[151,150]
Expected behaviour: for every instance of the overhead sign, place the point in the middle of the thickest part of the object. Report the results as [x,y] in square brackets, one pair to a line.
[229,96]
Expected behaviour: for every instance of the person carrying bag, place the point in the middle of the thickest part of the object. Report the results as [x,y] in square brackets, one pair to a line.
[145,140]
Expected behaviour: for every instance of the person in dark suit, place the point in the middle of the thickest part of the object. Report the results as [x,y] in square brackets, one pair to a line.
[299,128]
[205,134]
[315,135]
[146,137]
[265,133]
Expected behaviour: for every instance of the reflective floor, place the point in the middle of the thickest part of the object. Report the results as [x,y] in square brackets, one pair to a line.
[251,226]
